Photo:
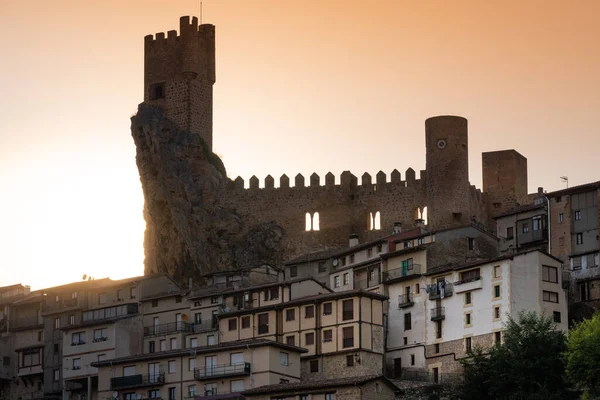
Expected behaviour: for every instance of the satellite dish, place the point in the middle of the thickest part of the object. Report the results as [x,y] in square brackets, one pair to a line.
[115,395]
[335,262]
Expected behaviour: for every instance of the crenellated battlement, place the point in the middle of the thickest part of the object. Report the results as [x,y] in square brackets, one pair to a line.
[187,28]
[347,180]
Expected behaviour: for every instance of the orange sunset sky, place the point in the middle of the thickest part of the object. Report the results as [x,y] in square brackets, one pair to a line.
[302,86]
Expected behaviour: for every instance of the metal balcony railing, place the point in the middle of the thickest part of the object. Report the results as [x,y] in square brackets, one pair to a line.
[139,380]
[405,300]
[438,313]
[207,325]
[413,269]
[438,291]
[219,371]
[167,329]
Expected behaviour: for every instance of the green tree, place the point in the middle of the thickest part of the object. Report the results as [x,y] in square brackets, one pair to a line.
[583,357]
[528,365]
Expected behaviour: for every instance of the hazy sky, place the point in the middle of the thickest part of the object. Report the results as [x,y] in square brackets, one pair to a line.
[302,86]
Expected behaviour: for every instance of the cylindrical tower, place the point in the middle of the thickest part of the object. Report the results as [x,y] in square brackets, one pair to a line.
[447,146]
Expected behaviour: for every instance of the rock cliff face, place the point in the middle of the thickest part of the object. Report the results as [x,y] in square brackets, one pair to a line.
[188,230]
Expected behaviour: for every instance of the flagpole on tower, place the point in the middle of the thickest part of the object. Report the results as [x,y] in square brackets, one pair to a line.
[200,13]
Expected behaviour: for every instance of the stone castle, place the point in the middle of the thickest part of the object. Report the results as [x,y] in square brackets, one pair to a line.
[200,221]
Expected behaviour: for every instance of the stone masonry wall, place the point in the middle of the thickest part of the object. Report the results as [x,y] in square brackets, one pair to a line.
[453,350]
[334,365]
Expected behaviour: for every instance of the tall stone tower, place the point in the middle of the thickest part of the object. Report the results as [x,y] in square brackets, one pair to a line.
[179,73]
[504,180]
[447,155]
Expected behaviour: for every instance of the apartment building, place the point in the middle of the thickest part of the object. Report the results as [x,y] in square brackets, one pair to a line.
[523,227]
[220,371]
[461,306]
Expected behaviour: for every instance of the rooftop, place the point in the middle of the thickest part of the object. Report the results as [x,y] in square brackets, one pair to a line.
[520,209]
[314,385]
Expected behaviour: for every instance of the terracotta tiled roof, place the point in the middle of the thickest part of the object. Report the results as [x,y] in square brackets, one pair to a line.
[312,385]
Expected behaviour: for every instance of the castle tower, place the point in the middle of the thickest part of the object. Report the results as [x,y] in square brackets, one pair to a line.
[447,155]
[504,180]
[179,73]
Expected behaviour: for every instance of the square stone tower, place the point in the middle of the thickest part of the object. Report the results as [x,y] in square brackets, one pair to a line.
[179,74]
[504,180]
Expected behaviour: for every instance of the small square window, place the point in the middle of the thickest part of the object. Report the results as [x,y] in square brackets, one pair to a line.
[322,267]
[350,361]
[327,335]
[291,340]
[557,318]
[314,365]
[293,271]
[154,303]
[327,308]
[157,91]
[309,312]
[496,312]
[290,314]
[497,291]
[468,298]
[577,215]
[232,324]
[245,322]
[309,339]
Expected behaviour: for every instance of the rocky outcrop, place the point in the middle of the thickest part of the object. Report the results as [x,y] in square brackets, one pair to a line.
[188,231]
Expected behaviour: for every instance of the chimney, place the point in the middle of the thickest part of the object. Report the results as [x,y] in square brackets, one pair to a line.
[353,240]
[397,227]
[540,190]
[419,222]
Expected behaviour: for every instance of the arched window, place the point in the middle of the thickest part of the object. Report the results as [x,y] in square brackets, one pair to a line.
[308,224]
[377,225]
[370,223]
[315,221]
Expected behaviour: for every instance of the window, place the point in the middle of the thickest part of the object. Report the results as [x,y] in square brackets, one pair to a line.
[468,298]
[408,244]
[291,340]
[40,336]
[192,391]
[551,297]
[369,252]
[151,347]
[290,314]
[580,238]
[171,366]
[497,205]
[193,342]
[496,312]
[77,338]
[56,373]
[525,227]
[379,248]
[405,340]
[210,340]
[346,278]
[330,396]
[71,320]
[293,271]
[468,319]
[232,324]
[56,323]
[497,271]
[350,361]
[407,322]
[163,345]
[372,275]
[214,300]
[154,394]
[420,241]
[198,318]
[577,215]
[327,308]
[177,299]
[343,261]
[120,294]
[245,322]
[497,291]
[100,335]
[237,386]
[417,288]
[537,223]
[497,337]
[154,303]
[549,274]
[556,315]
[263,323]
[314,365]
[55,350]
[336,281]
[101,298]
[77,363]
[173,343]
[437,347]
[274,293]
[467,344]
[576,263]
[284,359]
[31,358]
[436,375]
[412,359]
[348,310]
[510,232]
[327,335]
[348,337]
[309,312]
[561,217]
[469,276]
[133,292]
[322,267]
[438,331]
[471,243]
[157,91]
[172,393]
[191,364]
[351,258]
[309,339]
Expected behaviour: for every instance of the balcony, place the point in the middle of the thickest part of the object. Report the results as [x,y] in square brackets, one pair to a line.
[109,313]
[467,285]
[167,329]
[26,323]
[136,381]
[204,326]
[366,283]
[54,306]
[437,292]
[221,371]
[438,313]
[405,300]
[414,269]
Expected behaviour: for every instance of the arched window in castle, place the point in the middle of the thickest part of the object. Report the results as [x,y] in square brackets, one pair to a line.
[421,215]
[424,215]
[374,222]
[311,223]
